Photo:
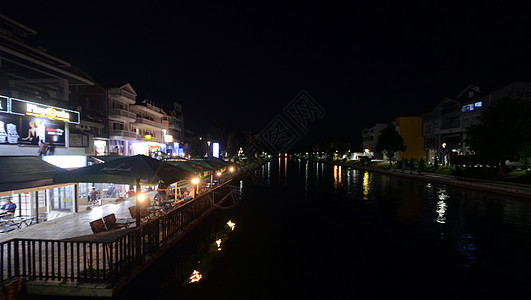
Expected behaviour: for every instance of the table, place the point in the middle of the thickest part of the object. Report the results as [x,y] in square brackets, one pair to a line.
[7,224]
[125,221]
[18,221]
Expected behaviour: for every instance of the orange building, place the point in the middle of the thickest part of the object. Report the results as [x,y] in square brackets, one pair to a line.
[410,128]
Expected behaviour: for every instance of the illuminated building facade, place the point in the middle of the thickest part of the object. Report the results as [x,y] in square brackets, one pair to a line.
[121,119]
[149,129]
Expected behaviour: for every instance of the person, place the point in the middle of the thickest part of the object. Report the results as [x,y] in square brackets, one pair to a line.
[93,195]
[32,134]
[187,196]
[43,148]
[51,148]
[8,207]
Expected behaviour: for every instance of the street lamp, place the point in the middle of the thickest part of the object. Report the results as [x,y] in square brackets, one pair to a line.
[196,182]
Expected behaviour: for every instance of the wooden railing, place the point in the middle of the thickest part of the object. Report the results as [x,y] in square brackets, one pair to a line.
[105,258]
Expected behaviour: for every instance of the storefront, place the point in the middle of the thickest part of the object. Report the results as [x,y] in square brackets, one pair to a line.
[152,149]
[29,124]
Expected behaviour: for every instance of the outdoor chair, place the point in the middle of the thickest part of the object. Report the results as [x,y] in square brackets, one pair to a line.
[110,222]
[98,226]
[144,214]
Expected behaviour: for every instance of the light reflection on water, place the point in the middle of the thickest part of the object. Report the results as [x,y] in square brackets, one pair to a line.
[366,186]
[418,234]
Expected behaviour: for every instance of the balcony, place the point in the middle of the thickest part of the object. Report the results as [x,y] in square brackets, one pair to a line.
[175,127]
[122,135]
[145,123]
[122,115]
[122,96]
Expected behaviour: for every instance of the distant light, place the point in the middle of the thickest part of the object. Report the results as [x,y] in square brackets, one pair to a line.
[148,136]
[231,169]
[366,150]
[195,181]
[215,150]
[218,173]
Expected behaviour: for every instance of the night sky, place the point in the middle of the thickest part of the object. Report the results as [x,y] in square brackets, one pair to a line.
[363,63]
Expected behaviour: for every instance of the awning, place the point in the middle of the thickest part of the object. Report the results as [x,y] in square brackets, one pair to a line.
[24,172]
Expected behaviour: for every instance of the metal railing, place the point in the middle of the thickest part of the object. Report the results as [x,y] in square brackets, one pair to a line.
[104,260]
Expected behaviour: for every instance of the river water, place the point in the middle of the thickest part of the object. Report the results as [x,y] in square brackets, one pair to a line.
[307,229]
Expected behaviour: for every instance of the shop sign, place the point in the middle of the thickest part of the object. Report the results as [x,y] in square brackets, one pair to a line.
[21,107]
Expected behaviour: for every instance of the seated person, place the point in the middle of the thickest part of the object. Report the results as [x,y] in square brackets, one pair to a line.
[93,194]
[187,196]
[8,207]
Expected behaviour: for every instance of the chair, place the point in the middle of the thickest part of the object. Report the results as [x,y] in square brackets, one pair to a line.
[143,212]
[98,226]
[110,222]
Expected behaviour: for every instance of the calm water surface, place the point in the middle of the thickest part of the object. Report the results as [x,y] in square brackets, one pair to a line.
[304,229]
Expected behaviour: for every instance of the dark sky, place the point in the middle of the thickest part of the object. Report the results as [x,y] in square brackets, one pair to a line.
[363,63]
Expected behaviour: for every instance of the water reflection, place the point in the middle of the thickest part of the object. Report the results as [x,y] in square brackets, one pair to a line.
[231,225]
[337,177]
[441,210]
[366,186]
[195,277]
[441,206]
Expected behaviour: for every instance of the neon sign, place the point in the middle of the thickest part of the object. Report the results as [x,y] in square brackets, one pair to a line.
[46,112]
[22,107]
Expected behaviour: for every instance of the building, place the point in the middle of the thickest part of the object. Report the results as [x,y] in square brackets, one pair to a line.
[370,137]
[92,133]
[121,118]
[175,128]
[149,129]
[445,127]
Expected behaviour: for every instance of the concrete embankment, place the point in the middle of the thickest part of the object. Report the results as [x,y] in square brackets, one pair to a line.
[500,187]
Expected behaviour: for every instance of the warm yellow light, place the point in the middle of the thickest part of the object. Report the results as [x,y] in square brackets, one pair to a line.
[195,277]
[218,242]
[195,181]
[141,197]
[148,136]
[219,173]
[231,224]
[231,169]
[366,150]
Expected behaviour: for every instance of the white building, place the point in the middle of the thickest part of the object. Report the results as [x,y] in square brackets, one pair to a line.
[121,119]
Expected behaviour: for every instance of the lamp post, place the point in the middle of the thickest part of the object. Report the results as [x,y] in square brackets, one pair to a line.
[196,182]
[139,199]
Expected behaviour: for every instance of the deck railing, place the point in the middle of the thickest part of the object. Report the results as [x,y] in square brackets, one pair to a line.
[105,259]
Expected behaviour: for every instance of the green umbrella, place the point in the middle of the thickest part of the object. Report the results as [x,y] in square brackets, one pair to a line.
[128,170]
[203,163]
[183,165]
[218,163]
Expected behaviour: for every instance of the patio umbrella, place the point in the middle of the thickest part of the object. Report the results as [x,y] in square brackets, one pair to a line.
[130,170]
[218,163]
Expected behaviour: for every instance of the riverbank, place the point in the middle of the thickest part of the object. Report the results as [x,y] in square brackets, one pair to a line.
[495,186]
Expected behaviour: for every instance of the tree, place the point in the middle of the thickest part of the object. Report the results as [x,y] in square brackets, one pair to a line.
[389,142]
[503,132]
[197,147]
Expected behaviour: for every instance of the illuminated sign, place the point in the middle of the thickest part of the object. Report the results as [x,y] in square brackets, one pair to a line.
[215,150]
[22,107]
